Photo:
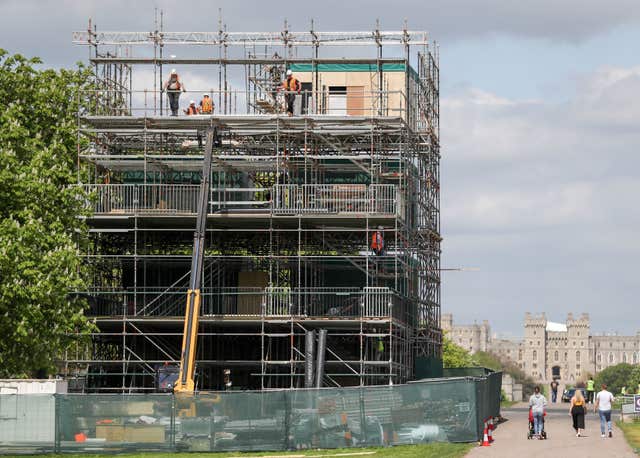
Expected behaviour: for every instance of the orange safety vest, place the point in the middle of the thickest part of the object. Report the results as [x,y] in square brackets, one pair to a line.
[377,243]
[207,105]
[174,85]
[291,84]
[192,110]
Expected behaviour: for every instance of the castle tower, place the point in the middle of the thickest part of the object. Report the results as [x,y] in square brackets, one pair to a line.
[580,361]
[534,346]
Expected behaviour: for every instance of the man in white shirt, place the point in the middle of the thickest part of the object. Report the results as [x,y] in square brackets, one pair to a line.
[604,399]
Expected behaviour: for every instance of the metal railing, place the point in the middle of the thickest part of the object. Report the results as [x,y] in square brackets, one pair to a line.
[169,199]
[368,302]
[148,103]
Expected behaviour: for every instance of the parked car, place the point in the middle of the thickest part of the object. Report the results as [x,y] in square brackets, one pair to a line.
[569,392]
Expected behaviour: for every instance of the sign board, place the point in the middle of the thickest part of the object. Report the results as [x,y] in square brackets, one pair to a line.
[636,402]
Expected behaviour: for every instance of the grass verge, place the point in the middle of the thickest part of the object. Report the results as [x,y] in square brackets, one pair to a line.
[435,450]
[631,434]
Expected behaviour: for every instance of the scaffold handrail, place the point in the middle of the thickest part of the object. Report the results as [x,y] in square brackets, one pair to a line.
[283,301]
[145,102]
[169,199]
[370,38]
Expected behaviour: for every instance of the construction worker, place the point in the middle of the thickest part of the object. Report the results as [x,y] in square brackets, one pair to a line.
[292,87]
[591,390]
[174,86]
[377,242]
[206,105]
[191,109]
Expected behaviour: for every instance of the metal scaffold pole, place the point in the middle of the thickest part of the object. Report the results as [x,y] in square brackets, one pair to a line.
[295,203]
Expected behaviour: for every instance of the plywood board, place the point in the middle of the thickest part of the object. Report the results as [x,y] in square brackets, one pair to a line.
[355,100]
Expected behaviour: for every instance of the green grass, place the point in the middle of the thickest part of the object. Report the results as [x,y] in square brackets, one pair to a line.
[435,450]
[631,434]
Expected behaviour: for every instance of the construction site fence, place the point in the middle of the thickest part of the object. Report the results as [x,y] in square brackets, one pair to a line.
[430,410]
[171,199]
[330,302]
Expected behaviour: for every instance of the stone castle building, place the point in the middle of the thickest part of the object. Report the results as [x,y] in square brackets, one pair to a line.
[567,351]
[473,338]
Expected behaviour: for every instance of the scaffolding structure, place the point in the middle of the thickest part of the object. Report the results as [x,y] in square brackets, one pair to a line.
[293,206]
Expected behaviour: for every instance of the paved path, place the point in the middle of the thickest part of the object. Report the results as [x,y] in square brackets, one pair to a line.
[510,438]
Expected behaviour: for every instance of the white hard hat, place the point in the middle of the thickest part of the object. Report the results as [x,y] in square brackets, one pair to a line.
[205,95]
[192,102]
[174,71]
[289,73]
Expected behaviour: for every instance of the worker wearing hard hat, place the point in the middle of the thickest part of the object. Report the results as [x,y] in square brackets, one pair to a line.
[174,86]
[206,105]
[191,109]
[292,87]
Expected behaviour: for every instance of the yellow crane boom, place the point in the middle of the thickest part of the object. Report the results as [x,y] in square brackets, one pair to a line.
[185,383]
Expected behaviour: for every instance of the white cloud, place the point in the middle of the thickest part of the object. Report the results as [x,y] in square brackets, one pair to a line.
[542,196]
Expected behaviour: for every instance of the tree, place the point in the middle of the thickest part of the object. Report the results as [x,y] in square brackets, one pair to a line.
[41,227]
[615,377]
[454,355]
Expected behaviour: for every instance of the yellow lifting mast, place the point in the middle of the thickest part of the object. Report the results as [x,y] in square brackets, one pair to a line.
[185,383]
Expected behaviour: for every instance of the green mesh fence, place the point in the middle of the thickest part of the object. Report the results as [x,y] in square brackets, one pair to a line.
[448,409]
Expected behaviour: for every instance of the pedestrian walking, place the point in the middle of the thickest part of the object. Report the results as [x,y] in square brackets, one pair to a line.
[174,86]
[577,410]
[590,390]
[604,399]
[537,403]
[554,391]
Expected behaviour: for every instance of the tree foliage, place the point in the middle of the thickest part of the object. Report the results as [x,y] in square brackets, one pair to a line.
[40,226]
[454,355]
[618,376]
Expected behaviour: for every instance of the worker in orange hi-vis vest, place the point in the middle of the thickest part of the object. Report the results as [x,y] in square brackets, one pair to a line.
[377,242]
[206,105]
[291,87]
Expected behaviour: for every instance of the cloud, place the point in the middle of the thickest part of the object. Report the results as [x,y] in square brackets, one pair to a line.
[542,196]
[568,21]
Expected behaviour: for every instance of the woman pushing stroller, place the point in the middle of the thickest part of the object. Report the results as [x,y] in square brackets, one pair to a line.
[537,403]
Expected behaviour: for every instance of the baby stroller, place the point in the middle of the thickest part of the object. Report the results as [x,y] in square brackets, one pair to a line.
[531,432]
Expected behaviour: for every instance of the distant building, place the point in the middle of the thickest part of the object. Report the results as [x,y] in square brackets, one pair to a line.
[473,338]
[567,351]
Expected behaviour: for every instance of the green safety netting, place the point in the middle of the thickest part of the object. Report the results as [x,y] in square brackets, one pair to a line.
[446,409]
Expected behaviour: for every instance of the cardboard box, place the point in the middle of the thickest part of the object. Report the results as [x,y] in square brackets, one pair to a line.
[131,433]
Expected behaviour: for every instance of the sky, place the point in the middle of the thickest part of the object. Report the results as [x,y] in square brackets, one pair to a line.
[540,134]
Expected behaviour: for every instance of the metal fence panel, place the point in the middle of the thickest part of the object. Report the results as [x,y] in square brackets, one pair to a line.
[429,410]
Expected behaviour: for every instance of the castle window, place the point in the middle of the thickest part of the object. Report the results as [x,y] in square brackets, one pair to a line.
[555,356]
[624,357]
[519,354]
[535,365]
[582,344]
[578,367]
[534,333]
[566,355]
[610,344]
[578,333]
[535,354]
[624,345]
[599,357]
[578,356]
[611,357]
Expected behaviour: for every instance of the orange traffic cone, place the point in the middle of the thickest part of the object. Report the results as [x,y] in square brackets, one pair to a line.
[485,438]
[490,430]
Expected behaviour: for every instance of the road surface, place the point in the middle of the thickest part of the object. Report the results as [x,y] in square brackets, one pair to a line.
[510,437]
